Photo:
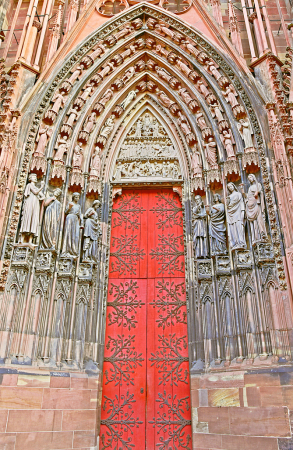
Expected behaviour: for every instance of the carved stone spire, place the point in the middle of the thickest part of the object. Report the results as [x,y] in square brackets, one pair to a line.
[55,33]
[234,29]
[217,14]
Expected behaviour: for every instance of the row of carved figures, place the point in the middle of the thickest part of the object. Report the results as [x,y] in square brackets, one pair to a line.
[30,221]
[239,205]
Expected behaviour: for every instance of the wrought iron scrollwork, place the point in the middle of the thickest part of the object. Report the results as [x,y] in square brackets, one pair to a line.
[168,360]
[172,422]
[124,360]
[171,306]
[167,211]
[167,254]
[124,305]
[128,212]
[119,422]
[128,254]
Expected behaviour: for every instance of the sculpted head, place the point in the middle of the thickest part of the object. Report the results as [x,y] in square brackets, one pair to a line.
[217,198]
[32,178]
[251,178]
[76,197]
[198,200]
[231,187]
[96,204]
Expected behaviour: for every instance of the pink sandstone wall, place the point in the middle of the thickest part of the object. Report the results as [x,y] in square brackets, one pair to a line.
[250,410]
[42,410]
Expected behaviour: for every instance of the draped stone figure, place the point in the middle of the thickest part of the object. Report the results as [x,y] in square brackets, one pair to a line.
[44,133]
[255,210]
[31,208]
[196,163]
[211,153]
[235,217]
[200,229]
[51,221]
[246,132]
[71,228]
[131,96]
[95,167]
[217,228]
[92,231]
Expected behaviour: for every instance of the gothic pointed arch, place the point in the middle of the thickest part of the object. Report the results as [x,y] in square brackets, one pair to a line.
[87,136]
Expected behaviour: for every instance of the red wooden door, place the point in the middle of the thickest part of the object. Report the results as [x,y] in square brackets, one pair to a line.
[146,388]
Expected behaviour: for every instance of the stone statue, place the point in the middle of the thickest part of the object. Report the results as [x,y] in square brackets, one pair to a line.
[58,101]
[217,228]
[156,132]
[203,89]
[212,68]
[128,74]
[165,100]
[108,127]
[246,132]
[235,217]
[44,133]
[95,167]
[92,231]
[217,111]
[200,120]
[230,96]
[71,228]
[90,122]
[31,208]
[51,221]
[106,97]
[62,147]
[131,96]
[196,163]
[211,153]
[77,158]
[138,129]
[255,210]
[227,139]
[147,123]
[200,229]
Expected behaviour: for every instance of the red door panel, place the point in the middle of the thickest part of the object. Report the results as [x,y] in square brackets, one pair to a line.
[146,372]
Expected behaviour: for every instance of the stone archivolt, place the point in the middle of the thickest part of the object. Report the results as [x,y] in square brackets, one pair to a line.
[89,136]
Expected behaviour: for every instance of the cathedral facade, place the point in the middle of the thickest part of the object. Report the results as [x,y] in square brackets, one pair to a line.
[146,158]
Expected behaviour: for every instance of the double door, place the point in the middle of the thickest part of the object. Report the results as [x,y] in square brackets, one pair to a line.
[146,391]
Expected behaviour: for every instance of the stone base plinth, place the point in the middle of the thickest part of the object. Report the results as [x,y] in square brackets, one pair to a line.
[42,410]
[243,410]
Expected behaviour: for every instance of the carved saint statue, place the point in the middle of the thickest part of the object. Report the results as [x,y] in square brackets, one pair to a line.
[156,132]
[235,217]
[147,123]
[200,229]
[62,147]
[138,129]
[246,132]
[108,127]
[92,231]
[230,96]
[211,153]
[196,163]
[131,96]
[217,227]
[200,120]
[77,158]
[51,220]
[58,101]
[95,168]
[71,228]
[227,138]
[255,210]
[90,122]
[31,208]
[44,133]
